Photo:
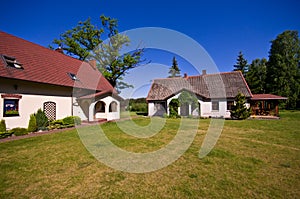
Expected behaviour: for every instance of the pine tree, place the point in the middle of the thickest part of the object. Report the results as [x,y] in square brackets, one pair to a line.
[174,69]
[256,76]
[239,110]
[241,64]
[283,73]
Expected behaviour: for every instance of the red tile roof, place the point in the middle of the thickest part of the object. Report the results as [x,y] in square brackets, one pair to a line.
[47,66]
[207,86]
[267,97]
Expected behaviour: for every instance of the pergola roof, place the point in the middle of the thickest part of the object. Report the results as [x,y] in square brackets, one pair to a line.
[257,97]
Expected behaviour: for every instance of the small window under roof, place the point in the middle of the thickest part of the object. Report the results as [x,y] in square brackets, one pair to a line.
[12,62]
[73,76]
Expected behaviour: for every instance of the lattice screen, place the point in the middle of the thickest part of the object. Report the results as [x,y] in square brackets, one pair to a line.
[50,110]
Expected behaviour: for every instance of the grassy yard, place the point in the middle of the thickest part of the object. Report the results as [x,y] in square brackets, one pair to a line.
[252,159]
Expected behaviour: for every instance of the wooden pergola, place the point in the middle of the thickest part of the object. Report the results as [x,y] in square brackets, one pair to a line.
[265,104]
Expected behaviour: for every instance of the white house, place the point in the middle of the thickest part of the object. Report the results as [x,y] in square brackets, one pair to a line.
[33,77]
[214,93]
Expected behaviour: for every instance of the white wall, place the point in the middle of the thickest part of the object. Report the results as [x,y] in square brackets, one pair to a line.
[106,115]
[151,109]
[29,104]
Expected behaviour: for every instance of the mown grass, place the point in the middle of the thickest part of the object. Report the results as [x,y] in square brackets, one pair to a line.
[252,159]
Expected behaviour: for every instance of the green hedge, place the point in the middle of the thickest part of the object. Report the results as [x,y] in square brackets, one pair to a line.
[5,134]
[66,122]
[18,131]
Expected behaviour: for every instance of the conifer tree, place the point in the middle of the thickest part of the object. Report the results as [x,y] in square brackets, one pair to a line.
[174,69]
[241,64]
[283,73]
[239,110]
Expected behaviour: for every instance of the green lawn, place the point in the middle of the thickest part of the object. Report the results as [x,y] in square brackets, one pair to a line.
[252,159]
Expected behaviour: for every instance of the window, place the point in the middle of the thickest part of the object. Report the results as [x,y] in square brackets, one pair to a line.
[12,62]
[100,107]
[229,105]
[50,110]
[73,76]
[11,107]
[215,105]
[113,107]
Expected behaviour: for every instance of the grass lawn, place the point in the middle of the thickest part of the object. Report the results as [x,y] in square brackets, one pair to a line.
[252,159]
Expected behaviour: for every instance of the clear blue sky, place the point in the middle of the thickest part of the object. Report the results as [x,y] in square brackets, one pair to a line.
[223,28]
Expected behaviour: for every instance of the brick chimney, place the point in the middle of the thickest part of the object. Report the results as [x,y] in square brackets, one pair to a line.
[203,72]
[60,50]
[93,63]
[185,75]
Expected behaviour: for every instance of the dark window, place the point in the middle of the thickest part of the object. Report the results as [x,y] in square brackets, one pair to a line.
[100,107]
[11,107]
[12,62]
[229,105]
[113,107]
[215,105]
[73,76]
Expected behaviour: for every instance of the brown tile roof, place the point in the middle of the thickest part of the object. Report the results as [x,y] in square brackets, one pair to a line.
[267,97]
[44,65]
[207,86]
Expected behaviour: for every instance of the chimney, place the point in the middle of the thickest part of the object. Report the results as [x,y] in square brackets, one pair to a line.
[185,75]
[93,63]
[203,72]
[60,50]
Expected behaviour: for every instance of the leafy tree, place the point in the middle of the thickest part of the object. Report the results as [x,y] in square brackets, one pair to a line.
[80,40]
[256,76]
[85,43]
[174,69]
[241,64]
[187,98]
[283,73]
[239,110]
[32,126]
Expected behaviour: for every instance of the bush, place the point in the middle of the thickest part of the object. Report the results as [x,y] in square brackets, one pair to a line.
[2,126]
[32,126]
[173,108]
[72,120]
[41,120]
[66,122]
[5,134]
[18,131]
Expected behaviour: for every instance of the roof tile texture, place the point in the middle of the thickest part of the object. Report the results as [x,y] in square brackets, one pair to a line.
[209,86]
[44,65]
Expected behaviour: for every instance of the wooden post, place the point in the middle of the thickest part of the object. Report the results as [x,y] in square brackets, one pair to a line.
[276,109]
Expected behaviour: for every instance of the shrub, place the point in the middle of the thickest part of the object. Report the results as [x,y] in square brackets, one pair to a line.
[2,126]
[41,120]
[5,134]
[54,122]
[18,131]
[72,120]
[173,108]
[32,126]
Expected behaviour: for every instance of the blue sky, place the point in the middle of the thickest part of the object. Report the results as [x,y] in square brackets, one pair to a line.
[223,28]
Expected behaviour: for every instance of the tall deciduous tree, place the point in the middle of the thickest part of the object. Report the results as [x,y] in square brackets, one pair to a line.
[174,69]
[256,76]
[85,42]
[283,74]
[241,64]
